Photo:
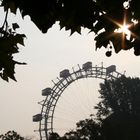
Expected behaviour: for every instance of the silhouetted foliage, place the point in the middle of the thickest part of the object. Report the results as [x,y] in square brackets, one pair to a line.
[92,14]
[119,96]
[11,135]
[102,17]
[9,41]
[118,113]
[54,136]
[119,109]
[86,129]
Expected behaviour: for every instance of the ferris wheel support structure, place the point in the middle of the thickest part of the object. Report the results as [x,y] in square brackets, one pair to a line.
[45,118]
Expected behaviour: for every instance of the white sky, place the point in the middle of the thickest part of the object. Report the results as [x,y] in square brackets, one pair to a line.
[46,55]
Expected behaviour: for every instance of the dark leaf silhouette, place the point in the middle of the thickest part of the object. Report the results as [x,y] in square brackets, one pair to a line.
[118,113]
[119,109]
[102,17]
[11,135]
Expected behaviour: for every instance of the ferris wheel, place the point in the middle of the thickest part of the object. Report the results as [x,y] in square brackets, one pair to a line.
[53,94]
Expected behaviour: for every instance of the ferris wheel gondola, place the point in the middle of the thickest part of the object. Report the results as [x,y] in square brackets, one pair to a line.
[66,77]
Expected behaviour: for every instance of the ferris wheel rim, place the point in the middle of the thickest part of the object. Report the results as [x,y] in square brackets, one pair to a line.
[49,104]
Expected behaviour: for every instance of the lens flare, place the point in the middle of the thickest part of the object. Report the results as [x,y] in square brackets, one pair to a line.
[125,29]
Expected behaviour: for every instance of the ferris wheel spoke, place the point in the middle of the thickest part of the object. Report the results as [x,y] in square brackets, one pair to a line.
[72,98]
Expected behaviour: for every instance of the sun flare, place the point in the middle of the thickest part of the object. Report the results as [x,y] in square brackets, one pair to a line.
[125,29]
[125,32]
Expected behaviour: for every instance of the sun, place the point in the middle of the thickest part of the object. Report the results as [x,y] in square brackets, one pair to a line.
[126,33]
[125,29]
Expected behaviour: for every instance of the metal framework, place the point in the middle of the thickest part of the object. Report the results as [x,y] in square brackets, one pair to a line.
[45,118]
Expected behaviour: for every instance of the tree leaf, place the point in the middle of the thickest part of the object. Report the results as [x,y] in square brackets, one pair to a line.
[102,40]
[19,38]
[15,26]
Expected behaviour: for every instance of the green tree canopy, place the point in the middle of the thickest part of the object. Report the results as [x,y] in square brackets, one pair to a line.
[102,17]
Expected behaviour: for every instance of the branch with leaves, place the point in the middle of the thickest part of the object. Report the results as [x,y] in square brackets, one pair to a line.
[103,17]
[9,41]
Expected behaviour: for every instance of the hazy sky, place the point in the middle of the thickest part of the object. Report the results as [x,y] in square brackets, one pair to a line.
[46,55]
